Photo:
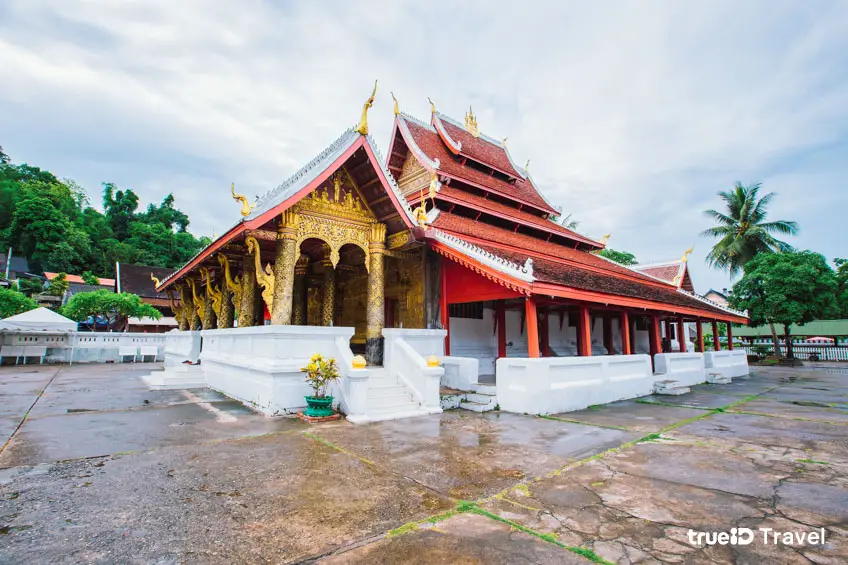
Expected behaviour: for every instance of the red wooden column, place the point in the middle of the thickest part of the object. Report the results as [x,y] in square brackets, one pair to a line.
[667,328]
[681,334]
[543,328]
[532,327]
[716,342]
[700,344]
[500,313]
[624,322]
[444,310]
[608,335]
[729,337]
[654,336]
[584,332]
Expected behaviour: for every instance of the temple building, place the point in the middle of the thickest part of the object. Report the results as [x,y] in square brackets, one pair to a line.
[447,232]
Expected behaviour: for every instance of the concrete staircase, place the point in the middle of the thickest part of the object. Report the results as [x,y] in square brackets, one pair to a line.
[483,398]
[670,387]
[718,379]
[389,399]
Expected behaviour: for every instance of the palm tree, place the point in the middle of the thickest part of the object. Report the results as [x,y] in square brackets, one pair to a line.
[744,232]
[569,222]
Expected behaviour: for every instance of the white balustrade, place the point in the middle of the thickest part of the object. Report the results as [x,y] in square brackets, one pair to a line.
[687,369]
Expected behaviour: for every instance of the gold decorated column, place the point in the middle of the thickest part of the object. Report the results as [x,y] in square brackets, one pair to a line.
[281,308]
[184,308]
[375,315]
[230,293]
[328,305]
[197,307]
[301,270]
[249,292]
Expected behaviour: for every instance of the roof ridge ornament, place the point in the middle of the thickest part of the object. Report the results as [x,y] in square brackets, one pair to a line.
[397,107]
[527,166]
[605,238]
[685,258]
[363,121]
[154,279]
[245,207]
[503,142]
[432,106]
[471,123]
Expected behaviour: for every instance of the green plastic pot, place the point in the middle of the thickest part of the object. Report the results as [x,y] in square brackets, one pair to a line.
[319,406]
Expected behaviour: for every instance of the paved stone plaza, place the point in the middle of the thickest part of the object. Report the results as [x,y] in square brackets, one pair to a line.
[100,470]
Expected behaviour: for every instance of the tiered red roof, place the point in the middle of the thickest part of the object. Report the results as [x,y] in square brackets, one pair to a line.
[478,148]
[521,191]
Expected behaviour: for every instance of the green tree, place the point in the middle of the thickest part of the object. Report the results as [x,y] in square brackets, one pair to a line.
[4,159]
[58,286]
[786,288]
[37,228]
[117,308]
[744,232]
[13,302]
[120,207]
[742,229]
[90,278]
[842,280]
[28,286]
[569,222]
[621,257]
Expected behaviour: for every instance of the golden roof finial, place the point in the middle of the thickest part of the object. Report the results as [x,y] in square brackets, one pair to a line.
[605,238]
[154,279]
[363,121]
[686,254]
[397,107]
[245,207]
[471,123]
[432,106]
[503,142]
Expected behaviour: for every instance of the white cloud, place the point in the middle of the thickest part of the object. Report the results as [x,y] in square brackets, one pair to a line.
[634,114]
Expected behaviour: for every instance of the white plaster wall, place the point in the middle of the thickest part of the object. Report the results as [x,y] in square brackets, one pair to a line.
[260,365]
[477,339]
[562,341]
[551,385]
[728,363]
[514,335]
[641,342]
[686,368]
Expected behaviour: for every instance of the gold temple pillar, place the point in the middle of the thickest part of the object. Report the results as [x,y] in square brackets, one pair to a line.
[225,318]
[375,315]
[301,270]
[186,307]
[196,307]
[210,321]
[281,307]
[328,304]
[249,293]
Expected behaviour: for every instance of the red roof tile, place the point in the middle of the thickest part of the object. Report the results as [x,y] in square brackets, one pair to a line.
[78,279]
[664,272]
[466,226]
[432,145]
[479,148]
[478,202]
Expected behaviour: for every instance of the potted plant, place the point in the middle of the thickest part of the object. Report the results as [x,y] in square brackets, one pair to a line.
[320,373]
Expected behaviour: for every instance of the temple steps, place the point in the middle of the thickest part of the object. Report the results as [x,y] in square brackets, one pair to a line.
[389,399]
[670,387]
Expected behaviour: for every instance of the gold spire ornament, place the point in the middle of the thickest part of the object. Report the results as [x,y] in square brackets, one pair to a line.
[605,238]
[245,207]
[363,121]
[432,106]
[155,280]
[397,107]
[471,123]
[686,254]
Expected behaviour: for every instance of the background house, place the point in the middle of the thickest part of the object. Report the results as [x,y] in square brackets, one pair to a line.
[136,279]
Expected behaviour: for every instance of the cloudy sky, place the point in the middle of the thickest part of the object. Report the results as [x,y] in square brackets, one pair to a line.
[633,113]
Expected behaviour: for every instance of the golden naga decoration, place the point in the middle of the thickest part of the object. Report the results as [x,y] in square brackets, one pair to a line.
[471,123]
[265,277]
[363,121]
[432,106]
[214,292]
[178,310]
[434,187]
[420,213]
[605,239]
[155,280]
[199,302]
[686,254]
[397,107]
[233,284]
[245,207]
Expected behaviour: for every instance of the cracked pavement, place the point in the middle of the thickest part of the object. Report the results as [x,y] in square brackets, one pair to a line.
[96,468]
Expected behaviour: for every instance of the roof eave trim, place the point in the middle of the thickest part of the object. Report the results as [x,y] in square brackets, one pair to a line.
[430,164]
[521,272]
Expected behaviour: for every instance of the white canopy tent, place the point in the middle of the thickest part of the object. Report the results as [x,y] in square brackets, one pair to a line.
[40,319]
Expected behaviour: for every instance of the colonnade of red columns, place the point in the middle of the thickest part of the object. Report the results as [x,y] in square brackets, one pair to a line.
[533,321]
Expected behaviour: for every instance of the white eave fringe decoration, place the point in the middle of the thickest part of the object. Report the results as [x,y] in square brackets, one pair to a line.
[521,272]
[711,303]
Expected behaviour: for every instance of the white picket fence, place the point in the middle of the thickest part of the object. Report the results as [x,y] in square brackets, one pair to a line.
[80,347]
[805,352]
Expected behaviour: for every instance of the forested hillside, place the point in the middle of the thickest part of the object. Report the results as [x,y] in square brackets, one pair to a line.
[50,222]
